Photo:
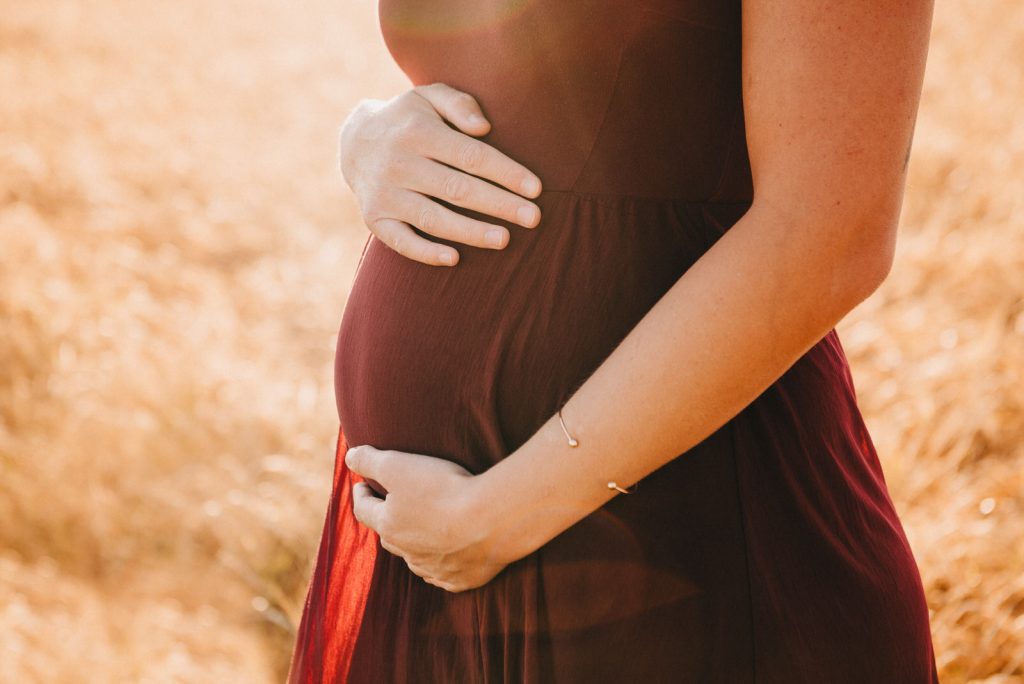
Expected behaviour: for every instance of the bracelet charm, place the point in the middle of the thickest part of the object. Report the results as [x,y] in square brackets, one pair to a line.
[573,442]
[629,490]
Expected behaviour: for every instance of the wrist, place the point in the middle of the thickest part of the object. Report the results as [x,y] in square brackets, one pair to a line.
[522,502]
[485,508]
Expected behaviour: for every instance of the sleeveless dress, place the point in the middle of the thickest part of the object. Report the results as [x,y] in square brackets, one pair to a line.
[770,552]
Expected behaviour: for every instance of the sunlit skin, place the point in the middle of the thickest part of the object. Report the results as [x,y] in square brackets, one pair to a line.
[831,91]
[391,156]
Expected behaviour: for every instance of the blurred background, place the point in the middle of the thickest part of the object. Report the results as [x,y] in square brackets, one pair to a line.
[176,246]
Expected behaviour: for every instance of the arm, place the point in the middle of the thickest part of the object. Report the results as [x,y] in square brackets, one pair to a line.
[831,92]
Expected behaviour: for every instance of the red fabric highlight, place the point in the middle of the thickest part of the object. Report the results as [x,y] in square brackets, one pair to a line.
[336,597]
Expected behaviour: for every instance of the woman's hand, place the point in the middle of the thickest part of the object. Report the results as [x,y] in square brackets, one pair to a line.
[397,156]
[430,516]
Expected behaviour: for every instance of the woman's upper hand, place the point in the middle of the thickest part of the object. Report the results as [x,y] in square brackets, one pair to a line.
[398,155]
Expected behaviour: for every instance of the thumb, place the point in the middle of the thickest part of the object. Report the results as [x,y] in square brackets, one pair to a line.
[364,460]
[457,107]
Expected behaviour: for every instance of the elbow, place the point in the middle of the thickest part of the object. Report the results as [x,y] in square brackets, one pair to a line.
[844,249]
[867,257]
[878,270]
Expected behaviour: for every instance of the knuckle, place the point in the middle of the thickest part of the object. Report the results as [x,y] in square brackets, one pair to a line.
[427,219]
[511,210]
[372,214]
[474,234]
[411,97]
[517,179]
[406,130]
[399,241]
[513,177]
[465,100]
[461,227]
[456,187]
[470,155]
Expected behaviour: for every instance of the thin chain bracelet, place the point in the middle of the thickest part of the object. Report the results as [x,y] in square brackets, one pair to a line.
[573,442]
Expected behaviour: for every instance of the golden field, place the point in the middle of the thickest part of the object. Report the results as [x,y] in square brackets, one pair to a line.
[176,246]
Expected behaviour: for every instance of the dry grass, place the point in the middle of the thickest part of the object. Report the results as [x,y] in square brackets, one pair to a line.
[176,250]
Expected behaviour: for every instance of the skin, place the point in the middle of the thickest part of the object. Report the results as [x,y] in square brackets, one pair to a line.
[397,156]
[831,91]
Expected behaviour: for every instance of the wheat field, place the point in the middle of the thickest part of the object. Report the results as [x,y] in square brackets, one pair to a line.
[176,246]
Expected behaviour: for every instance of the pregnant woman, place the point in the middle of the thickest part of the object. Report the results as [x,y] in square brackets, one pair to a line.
[621,442]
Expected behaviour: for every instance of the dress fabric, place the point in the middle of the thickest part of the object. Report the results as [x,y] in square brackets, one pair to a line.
[769,552]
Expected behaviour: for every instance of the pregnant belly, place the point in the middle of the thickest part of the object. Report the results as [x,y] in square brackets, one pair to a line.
[467,362]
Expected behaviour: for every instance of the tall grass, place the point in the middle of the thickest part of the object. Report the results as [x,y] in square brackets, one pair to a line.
[175,251]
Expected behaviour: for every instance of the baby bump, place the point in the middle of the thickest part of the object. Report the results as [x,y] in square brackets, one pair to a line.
[467,362]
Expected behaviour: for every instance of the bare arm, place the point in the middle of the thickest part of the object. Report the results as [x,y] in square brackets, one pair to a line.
[831,91]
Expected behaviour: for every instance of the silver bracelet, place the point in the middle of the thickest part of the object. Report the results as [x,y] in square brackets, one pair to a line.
[573,442]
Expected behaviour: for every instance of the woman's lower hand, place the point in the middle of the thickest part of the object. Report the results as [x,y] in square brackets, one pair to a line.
[430,516]
[399,155]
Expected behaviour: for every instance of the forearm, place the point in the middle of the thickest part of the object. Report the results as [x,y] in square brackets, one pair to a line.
[755,302]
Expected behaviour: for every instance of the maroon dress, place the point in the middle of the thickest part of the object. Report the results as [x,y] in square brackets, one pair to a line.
[770,552]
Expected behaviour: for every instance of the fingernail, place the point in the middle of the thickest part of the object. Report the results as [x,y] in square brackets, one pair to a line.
[477,120]
[348,457]
[496,237]
[446,258]
[531,186]
[527,215]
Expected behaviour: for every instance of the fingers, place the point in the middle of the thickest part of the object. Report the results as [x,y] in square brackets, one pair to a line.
[426,577]
[409,167]
[372,464]
[438,220]
[455,106]
[367,508]
[480,159]
[390,548]
[414,568]
[408,208]
[400,237]
[461,189]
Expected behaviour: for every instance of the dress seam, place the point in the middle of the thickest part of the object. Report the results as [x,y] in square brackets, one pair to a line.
[686,20]
[613,197]
[608,106]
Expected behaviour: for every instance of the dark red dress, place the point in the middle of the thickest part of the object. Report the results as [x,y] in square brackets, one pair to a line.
[770,552]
